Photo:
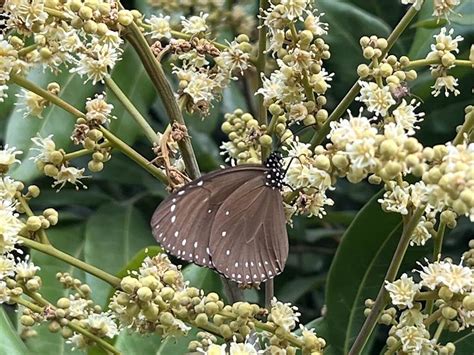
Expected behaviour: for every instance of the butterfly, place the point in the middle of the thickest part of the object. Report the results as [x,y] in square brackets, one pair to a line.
[231,220]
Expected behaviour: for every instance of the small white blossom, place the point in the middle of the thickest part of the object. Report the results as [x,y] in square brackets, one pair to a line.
[160,26]
[242,349]
[98,110]
[10,226]
[377,99]
[283,314]
[4,292]
[103,324]
[442,8]
[420,235]
[8,157]
[7,266]
[406,117]
[413,339]
[8,189]
[402,291]
[349,130]
[45,147]
[214,349]
[447,83]
[25,269]
[30,103]
[313,24]
[416,3]
[96,63]
[195,24]
[71,175]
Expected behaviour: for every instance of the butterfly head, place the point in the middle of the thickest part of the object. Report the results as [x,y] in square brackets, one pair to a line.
[274,175]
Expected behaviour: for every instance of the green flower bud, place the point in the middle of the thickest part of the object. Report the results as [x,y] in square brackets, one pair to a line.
[166,318]
[322,116]
[386,69]
[368,52]
[129,284]
[144,294]
[265,140]
[90,26]
[340,161]
[95,166]
[85,13]
[449,313]
[95,135]
[75,5]
[227,127]
[151,312]
[468,302]
[122,299]
[201,320]
[33,223]
[33,285]
[125,17]
[33,191]
[225,331]
[309,120]
[54,326]
[63,302]
[66,332]
[363,70]
[171,277]
[101,28]
[27,321]
[50,170]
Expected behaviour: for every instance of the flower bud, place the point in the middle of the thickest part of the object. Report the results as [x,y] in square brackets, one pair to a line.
[468,302]
[63,302]
[265,140]
[95,166]
[33,223]
[225,331]
[33,191]
[144,294]
[386,69]
[449,313]
[125,17]
[85,13]
[54,326]
[201,320]
[50,170]
[363,70]
[166,318]
[129,284]
[27,321]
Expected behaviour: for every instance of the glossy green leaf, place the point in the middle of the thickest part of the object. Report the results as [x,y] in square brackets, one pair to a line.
[357,271]
[133,80]
[69,239]
[55,120]
[464,345]
[114,234]
[203,278]
[10,343]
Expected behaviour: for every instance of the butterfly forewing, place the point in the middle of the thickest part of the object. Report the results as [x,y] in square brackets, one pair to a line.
[182,222]
[249,242]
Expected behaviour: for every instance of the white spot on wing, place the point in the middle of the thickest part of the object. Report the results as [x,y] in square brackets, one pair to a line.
[200,183]
[183,243]
[176,233]
[181,193]
[236,264]
[209,211]
[173,219]
[224,234]
[173,207]
[227,252]
[195,244]
[227,213]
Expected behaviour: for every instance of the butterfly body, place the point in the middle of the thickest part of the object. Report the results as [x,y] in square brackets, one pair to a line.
[231,220]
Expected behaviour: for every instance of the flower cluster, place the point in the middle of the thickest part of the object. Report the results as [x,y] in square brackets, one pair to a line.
[236,17]
[450,285]
[300,75]
[443,53]
[156,299]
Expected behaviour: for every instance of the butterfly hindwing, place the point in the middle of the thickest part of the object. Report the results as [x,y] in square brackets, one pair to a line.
[182,222]
[249,242]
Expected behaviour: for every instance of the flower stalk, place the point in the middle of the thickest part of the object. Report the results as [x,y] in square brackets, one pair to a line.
[58,254]
[382,297]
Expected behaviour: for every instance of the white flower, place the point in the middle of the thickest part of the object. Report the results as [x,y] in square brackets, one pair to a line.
[458,278]
[416,3]
[413,339]
[98,110]
[446,82]
[445,43]
[272,88]
[7,61]
[283,314]
[200,88]
[10,226]
[8,157]
[420,235]
[313,24]
[77,308]
[31,103]
[46,147]
[233,58]
[195,24]
[293,9]
[406,117]
[376,99]
[361,152]
[160,26]
[350,130]
[25,269]
[402,291]
[102,324]
[8,189]
[396,200]
[96,63]
[3,92]
[214,349]
[444,7]
[242,349]
[4,292]
[7,266]
[431,274]
[71,175]
[312,202]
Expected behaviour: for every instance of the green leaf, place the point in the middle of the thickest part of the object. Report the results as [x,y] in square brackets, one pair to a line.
[344,39]
[114,234]
[464,344]
[69,239]
[55,120]
[203,278]
[294,289]
[133,80]
[357,271]
[10,343]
